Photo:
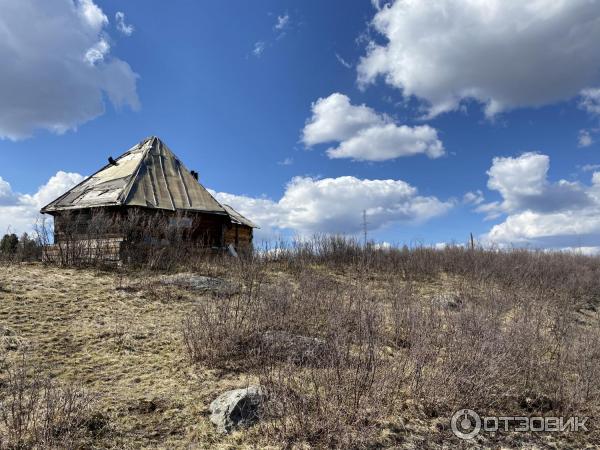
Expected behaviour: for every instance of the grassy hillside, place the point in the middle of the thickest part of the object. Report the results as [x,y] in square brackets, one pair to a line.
[410,337]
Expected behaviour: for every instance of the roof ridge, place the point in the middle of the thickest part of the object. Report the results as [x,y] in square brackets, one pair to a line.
[125,194]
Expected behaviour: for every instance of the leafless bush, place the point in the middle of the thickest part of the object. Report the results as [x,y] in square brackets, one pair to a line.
[496,351]
[512,332]
[510,267]
[37,412]
[318,397]
[220,330]
[82,240]
[340,400]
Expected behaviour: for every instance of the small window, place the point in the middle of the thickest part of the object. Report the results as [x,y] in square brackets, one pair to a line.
[180,222]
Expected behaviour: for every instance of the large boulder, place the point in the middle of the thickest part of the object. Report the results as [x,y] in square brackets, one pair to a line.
[236,408]
[294,348]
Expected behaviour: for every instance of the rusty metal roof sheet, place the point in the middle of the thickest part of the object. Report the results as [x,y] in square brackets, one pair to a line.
[236,217]
[147,175]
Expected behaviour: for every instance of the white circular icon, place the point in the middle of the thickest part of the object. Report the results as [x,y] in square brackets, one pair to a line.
[466,424]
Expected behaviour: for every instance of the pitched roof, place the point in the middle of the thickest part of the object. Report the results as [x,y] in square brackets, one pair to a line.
[236,217]
[147,175]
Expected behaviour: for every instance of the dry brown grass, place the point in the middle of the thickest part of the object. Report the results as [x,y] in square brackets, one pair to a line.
[400,356]
[414,335]
[121,339]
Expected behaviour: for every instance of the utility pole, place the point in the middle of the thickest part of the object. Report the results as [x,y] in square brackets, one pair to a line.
[472,242]
[365,225]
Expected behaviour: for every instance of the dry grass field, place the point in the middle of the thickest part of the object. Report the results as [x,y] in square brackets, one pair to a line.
[119,338]
[404,350]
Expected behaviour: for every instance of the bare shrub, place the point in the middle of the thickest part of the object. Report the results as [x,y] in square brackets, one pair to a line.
[507,332]
[38,412]
[498,351]
[220,330]
[324,397]
[339,401]
[84,239]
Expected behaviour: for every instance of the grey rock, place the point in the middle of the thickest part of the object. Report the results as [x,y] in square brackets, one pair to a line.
[293,347]
[448,300]
[238,408]
[197,282]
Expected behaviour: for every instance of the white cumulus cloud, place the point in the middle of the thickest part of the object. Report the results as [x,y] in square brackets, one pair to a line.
[19,212]
[335,205]
[364,134]
[57,67]
[92,14]
[523,184]
[7,196]
[502,53]
[539,212]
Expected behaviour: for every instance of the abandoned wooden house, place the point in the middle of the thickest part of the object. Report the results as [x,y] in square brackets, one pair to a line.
[145,197]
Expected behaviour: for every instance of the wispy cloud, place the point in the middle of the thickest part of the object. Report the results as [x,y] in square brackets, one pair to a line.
[473,198]
[590,167]
[590,100]
[343,62]
[123,27]
[282,22]
[286,162]
[259,48]
[585,138]
[280,27]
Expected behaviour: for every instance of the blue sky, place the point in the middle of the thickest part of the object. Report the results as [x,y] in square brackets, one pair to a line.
[302,114]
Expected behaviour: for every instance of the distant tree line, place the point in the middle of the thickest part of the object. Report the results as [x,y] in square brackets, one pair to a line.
[24,248]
